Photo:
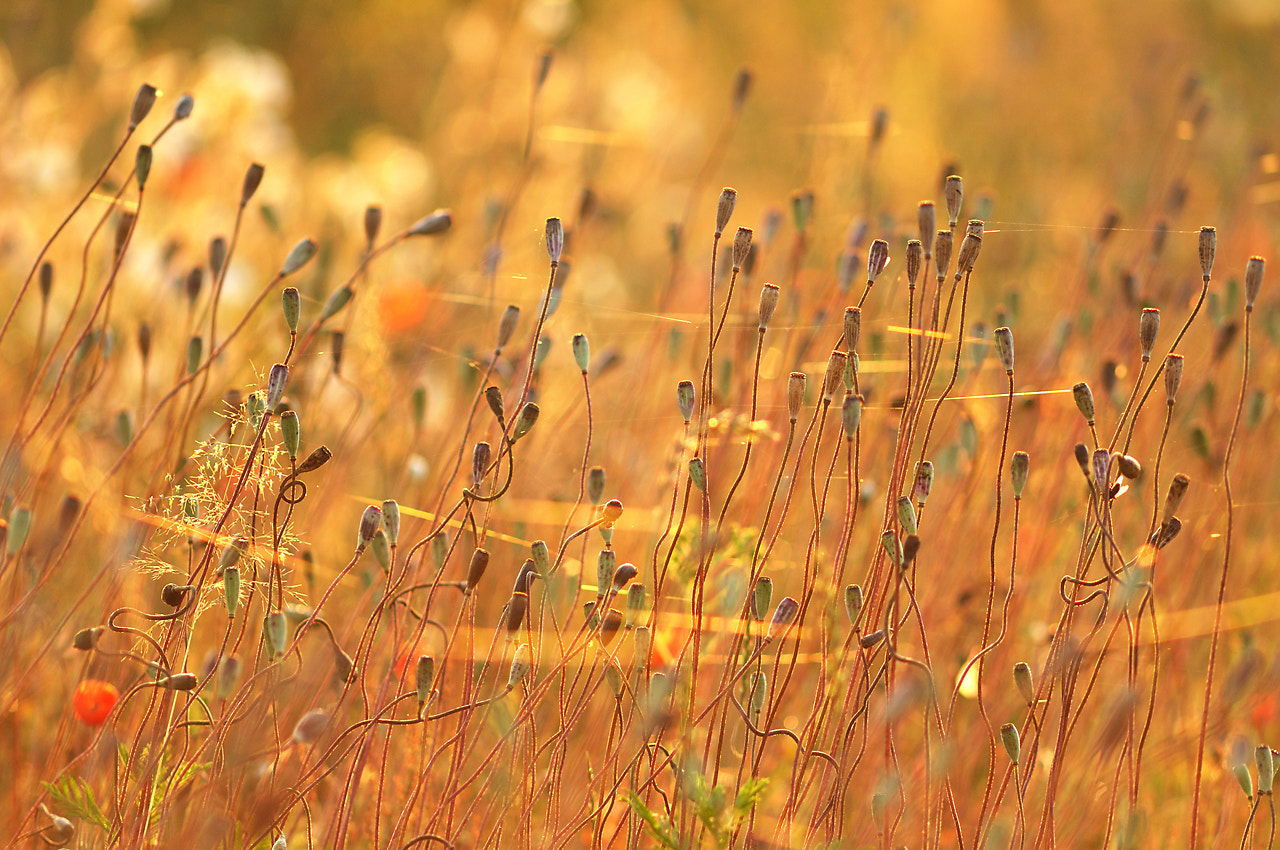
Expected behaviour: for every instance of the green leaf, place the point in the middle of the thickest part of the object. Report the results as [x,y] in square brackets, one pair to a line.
[74,797]
[660,828]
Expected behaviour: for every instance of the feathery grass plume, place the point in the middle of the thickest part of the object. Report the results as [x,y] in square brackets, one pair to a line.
[142,103]
[475,570]
[852,328]
[606,565]
[252,180]
[217,255]
[301,254]
[291,306]
[1084,401]
[517,605]
[783,616]
[685,400]
[595,484]
[1148,327]
[525,421]
[795,395]
[953,193]
[424,678]
[870,639]
[698,473]
[877,259]
[1023,681]
[1173,366]
[1173,499]
[391,520]
[540,554]
[231,590]
[183,108]
[623,575]
[968,254]
[1019,466]
[761,597]
[741,247]
[370,523]
[1003,340]
[851,414]
[1253,272]
[521,665]
[275,630]
[853,601]
[942,245]
[915,261]
[1208,247]
[433,223]
[1265,761]
[1129,466]
[768,303]
[923,484]
[1100,464]
[142,165]
[480,457]
[906,515]
[277,380]
[636,597]
[927,219]
[835,375]
[581,352]
[1012,744]
[724,209]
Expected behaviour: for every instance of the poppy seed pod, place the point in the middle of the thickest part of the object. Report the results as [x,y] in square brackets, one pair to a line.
[581,352]
[867,641]
[635,603]
[768,303]
[1100,465]
[381,549]
[525,421]
[429,225]
[968,255]
[1003,339]
[685,400]
[877,259]
[1022,680]
[606,566]
[372,223]
[923,482]
[724,209]
[507,325]
[291,306]
[1173,366]
[851,414]
[610,626]
[555,240]
[1173,500]
[795,394]
[291,433]
[927,219]
[852,328]
[424,677]
[142,165]
[802,209]
[761,597]
[953,192]
[1148,327]
[1245,780]
[231,590]
[1129,467]
[275,628]
[943,244]
[595,484]
[142,103]
[906,515]
[1265,760]
[277,380]
[853,601]
[624,575]
[915,261]
[370,523]
[1082,458]
[783,616]
[183,108]
[1012,744]
[741,247]
[252,180]
[391,520]
[517,605]
[612,510]
[835,374]
[1253,272]
[1084,401]
[1019,465]
[475,570]
[480,457]
[301,254]
[1208,247]
[319,457]
[698,473]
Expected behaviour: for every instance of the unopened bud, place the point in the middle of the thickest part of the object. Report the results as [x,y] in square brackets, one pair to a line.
[142,103]
[1129,467]
[1263,757]
[252,180]
[761,597]
[183,108]
[525,421]
[507,325]
[595,484]
[231,590]
[624,575]
[581,352]
[759,692]
[1012,744]
[301,254]
[517,605]
[1082,458]
[142,165]
[370,522]
[312,725]
[610,626]
[275,628]
[337,299]
[1173,500]
[685,400]
[635,603]
[480,457]
[429,225]
[612,510]
[424,678]
[853,601]
[381,549]
[372,223]
[87,639]
[179,682]
[1100,465]
[291,305]
[923,485]
[1241,772]
[698,473]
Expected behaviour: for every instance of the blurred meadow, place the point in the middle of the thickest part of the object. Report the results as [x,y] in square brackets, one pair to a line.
[409,439]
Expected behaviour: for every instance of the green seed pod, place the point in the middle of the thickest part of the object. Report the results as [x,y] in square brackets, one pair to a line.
[892,545]
[291,306]
[301,254]
[685,400]
[254,406]
[124,427]
[231,590]
[759,690]
[643,642]
[391,520]
[291,433]
[19,529]
[1022,680]
[698,473]
[440,549]
[851,414]
[424,678]
[277,380]
[525,421]
[613,678]
[87,639]
[541,556]
[906,515]
[521,665]
[1084,401]
[1240,769]
[1148,327]
[275,629]
[179,682]
[475,571]
[606,565]
[802,209]
[381,548]
[595,484]
[1012,743]
[217,255]
[635,603]
[338,299]
[761,597]
[853,601]
[1019,466]
[1003,338]
[1266,768]
[430,225]
[581,352]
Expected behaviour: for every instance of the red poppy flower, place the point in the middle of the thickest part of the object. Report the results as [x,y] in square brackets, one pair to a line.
[93,701]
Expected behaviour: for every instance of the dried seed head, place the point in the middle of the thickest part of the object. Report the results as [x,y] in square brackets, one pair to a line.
[1084,401]
[277,380]
[783,616]
[429,225]
[942,246]
[142,165]
[525,576]
[1173,500]
[480,457]
[1003,339]
[851,414]
[923,482]
[1263,757]
[475,570]
[291,306]
[183,108]
[372,223]
[1082,458]
[852,328]
[493,397]
[142,103]
[1173,366]
[927,217]
[555,240]
[761,597]
[252,180]
[391,520]
[301,254]
[1253,272]
[906,515]
[915,261]
[370,524]
[853,601]
[1148,327]
[1012,745]
[975,227]
[835,375]
[525,421]
[424,678]
[521,665]
[1166,532]
[968,255]
[867,641]
[1129,467]
[507,325]
[741,247]
[795,394]
[953,191]
[877,259]
[685,400]
[319,457]
[1208,247]
[217,255]
[1019,466]
[581,352]
[724,209]
[517,605]
[768,303]
[1022,680]
[698,473]
[595,484]
[1100,464]
[611,511]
